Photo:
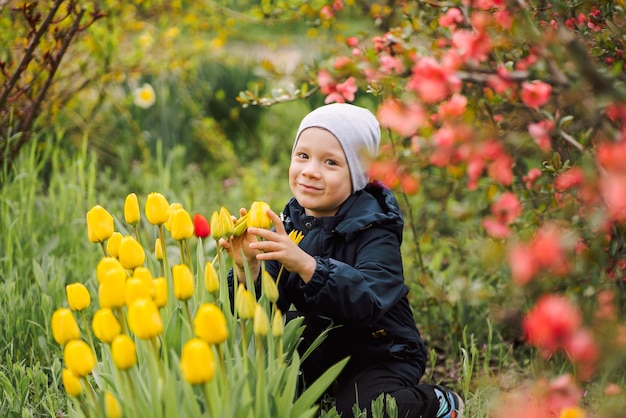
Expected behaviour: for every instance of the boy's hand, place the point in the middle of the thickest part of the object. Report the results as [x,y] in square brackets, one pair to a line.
[276,245]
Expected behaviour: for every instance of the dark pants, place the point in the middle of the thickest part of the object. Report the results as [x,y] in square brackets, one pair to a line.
[413,400]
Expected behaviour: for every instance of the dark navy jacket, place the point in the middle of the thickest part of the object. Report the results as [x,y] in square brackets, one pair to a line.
[358,285]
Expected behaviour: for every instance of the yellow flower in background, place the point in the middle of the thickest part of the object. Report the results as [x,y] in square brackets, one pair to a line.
[111,291]
[99,224]
[124,352]
[108,265]
[183,282]
[257,216]
[157,209]
[197,362]
[144,96]
[77,296]
[296,236]
[277,324]
[211,281]
[268,286]
[71,383]
[105,325]
[173,208]
[261,324]
[64,326]
[79,358]
[222,225]
[244,302]
[158,249]
[131,209]
[572,412]
[210,324]
[160,291]
[113,244]
[131,253]
[144,319]
[144,274]
[112,407]
[136,289]
[181,225]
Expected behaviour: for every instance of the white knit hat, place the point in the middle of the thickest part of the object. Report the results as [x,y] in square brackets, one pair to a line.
[356,129]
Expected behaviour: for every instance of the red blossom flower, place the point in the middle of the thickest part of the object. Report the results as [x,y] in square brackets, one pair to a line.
[535,93]
[451,18]
[453,108]
[471,46]
[431,81]
[201,226]
[582,350]
[532,176]
[573,177]
[402,118]
[540,133]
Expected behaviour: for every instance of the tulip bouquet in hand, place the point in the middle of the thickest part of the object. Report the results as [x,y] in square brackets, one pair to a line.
[157,335]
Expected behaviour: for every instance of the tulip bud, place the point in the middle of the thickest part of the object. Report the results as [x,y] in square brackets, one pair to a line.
[112,407]
[158,249]
[113,244]
[131,253]
[211,281]
[71,382]
[258,217]
[99,224]
[77,296]
[79,358]
[210,324]
[296,236]
[157,209]
[111,291]
[222,225]
[277,324]
[160,292]
[144,319]
[131,209]
[201,227]
[183,282]
[64,326]
[136,289]
[244,302]
[240,226]
[144,274]
[106,265]
[216,233]
[105,325]
[181,226]
[261,323]
[197,362]
[268,286]
[124,352]
[173,208]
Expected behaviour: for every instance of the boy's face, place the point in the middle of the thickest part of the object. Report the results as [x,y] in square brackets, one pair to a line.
[319,176]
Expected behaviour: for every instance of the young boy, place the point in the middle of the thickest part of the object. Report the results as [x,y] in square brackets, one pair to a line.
[347,270]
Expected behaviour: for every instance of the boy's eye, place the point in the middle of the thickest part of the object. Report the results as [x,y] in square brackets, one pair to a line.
[331,162]
[302,155]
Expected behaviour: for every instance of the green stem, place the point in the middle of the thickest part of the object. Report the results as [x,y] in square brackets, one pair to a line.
[182,252]
[122,320]
[104,249]
[92,395]
[207,397]
[136,232]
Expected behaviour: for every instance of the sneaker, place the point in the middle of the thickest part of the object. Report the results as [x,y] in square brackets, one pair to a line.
[450,403]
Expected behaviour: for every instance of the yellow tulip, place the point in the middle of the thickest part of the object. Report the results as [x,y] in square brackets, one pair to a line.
[112,407]
[160,291]
[296,236]
[105,325]
[572,412]
[111,292]
[197,362]
[144,319]
[77,296]
[261,324]
[183,282]
[131,253]
[158,249]
[71,382]
[222,225]
[211,281]
[79,358]
[113,244]
[157,209]
[268,286]
[131,209]
[124,352]
[210,324]
[277,324]
[136,289]
[244,303]
[64,326]
[145,275]
[99,224]
[258,217]
[181,225]
[173,208]
[106,265]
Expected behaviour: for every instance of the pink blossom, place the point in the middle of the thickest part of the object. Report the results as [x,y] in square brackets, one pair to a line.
[522,264]
[613,191]
[530,178]
[495,227]
[573,177]
[471,46]
[501,81]
[583,351]
[501,169]
[540,133]
[535,93]
[475,167]
[453,108]
[338,5]
[504,19]
[507,208]
[431,80]
[403,118]
[341,62]
[352,41]
[327,12]
[611,156]
[391,65]
[451,18]
[551,322]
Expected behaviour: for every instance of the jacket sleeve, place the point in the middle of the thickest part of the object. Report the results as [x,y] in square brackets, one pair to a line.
[364,292]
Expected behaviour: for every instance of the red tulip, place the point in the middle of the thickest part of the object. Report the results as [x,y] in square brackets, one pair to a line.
[201,226]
